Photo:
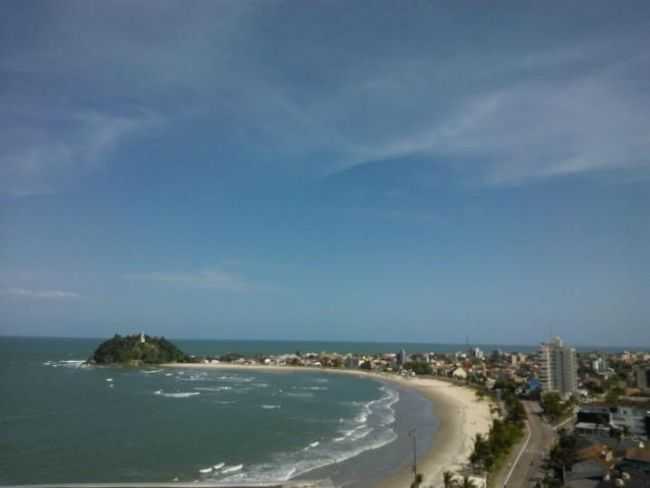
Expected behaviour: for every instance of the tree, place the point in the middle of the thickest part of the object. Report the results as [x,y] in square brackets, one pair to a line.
[564,454]
[419,367]
[467,483]
[614,394]
[417,481]
[552,405]
[448,479]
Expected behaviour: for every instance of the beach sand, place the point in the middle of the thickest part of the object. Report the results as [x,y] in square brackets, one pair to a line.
[460,413]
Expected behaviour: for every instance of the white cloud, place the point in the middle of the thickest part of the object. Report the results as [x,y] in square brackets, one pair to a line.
[213,279]
[530,130]
[523,108]
[39,294]
[42,153]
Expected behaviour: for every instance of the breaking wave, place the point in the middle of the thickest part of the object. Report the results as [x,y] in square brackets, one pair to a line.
[176,395]
[370,428]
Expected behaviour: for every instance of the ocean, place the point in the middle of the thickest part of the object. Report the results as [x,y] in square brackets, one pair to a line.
[62,421]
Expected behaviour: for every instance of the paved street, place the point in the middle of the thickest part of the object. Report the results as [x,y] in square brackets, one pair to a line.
[529,466]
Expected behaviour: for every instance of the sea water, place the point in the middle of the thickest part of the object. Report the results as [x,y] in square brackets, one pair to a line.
[64,421]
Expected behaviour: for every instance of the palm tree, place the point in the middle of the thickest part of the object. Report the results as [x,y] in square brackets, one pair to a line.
[467,483]
[448,479]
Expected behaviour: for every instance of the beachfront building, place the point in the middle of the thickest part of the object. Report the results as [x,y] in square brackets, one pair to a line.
[402,357]
[642,375]
[558,368]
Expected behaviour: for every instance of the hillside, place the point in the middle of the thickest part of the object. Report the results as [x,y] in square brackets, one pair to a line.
[137,349]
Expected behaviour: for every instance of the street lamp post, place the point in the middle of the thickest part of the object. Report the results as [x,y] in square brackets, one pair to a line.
[412,433]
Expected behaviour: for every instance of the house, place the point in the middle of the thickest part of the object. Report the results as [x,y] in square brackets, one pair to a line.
[598,451]
[586,474]
[626,479]
[626,415]
[637,458]
[593,429]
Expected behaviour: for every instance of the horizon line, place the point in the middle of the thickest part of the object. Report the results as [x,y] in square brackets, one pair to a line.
[354,341]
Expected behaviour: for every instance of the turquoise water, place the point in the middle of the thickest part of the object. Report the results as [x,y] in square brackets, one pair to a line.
[63,422]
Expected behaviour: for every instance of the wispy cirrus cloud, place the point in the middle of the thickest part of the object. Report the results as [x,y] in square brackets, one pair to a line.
[215,279]
[40,152]
[535,130]
[527,106]
[39,294]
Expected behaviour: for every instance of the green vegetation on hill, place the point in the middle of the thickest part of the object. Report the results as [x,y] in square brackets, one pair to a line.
[419,367]
[132,350]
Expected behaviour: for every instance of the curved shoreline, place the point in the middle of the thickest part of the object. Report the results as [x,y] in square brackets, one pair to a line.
[460,414]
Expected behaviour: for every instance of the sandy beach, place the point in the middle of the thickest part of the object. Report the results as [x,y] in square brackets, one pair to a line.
[460,413]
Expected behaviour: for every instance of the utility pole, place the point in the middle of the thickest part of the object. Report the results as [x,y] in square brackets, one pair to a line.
[412,433]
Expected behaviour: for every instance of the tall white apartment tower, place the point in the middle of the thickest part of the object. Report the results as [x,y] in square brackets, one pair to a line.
[559,368]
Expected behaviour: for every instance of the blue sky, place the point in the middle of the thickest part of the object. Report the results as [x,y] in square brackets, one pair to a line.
[417,171]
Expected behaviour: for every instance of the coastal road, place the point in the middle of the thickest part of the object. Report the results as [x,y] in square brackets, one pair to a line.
[180,484]
[528,469]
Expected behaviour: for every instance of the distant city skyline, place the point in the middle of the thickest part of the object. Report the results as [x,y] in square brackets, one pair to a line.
[326,171]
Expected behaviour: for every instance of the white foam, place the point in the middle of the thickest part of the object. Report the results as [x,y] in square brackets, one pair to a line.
[213,388]
[205,470]
[201,376]
[217,467]
[67,363]
[237,379]
[368,429]
[362,418]
[361,434]
[301,395]
[176,395]
[290,465]
[109,379]
[151,371]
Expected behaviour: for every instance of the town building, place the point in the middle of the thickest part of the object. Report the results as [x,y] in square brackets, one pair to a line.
[558,368]
[642,375]
[476,353]
[625,416]
[599,365]
[402,358]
